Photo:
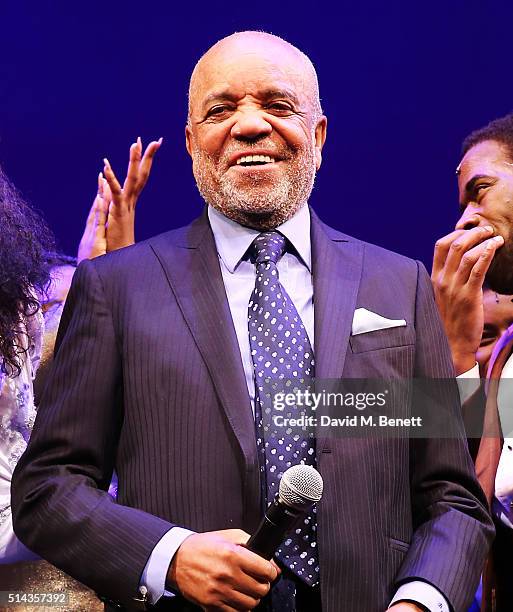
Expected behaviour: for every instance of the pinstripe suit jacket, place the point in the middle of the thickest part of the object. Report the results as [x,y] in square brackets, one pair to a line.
[148,380]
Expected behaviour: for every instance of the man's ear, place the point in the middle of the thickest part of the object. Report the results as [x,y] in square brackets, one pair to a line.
[188,139]
[320,139]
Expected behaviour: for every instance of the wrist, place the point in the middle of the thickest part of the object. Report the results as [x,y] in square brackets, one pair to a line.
[463,362]
[171,584]
[172,578]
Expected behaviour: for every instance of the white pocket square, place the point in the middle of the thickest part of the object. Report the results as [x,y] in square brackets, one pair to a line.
[366,321]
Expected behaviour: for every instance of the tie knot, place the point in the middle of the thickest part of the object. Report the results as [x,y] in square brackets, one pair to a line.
[268,246]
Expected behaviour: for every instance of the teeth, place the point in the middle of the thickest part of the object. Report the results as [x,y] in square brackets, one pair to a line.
[248,159]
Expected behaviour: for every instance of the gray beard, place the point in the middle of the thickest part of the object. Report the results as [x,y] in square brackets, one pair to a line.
[258,204]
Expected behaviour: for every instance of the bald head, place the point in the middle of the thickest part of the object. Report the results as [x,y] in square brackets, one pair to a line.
[255,130]
[260,45]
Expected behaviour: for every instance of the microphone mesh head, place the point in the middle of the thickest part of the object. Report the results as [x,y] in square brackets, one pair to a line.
[301,486]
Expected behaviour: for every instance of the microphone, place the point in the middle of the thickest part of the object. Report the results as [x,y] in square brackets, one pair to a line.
[300,488]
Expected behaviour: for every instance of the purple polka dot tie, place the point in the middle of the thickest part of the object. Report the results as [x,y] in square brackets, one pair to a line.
[283,359]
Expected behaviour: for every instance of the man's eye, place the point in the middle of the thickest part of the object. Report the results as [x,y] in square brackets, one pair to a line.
[280,107]
[217,110]
[480,187]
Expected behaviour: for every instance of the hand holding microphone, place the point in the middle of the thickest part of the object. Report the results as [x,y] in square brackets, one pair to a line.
[216,571]
[223,570]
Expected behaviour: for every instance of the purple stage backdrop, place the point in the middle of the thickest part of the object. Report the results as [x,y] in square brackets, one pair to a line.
[401,83]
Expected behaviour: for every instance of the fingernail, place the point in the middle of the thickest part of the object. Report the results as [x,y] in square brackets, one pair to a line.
[498,239]
[160,140]
[106,162]
[139,140]
[488,228]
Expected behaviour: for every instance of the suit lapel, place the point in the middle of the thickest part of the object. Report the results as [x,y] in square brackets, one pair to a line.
[192,267]
[337,268]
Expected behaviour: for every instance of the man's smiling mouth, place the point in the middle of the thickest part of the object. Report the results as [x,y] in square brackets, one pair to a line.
[254,160]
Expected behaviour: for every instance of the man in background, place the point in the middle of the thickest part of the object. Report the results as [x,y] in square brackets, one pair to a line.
[481,247]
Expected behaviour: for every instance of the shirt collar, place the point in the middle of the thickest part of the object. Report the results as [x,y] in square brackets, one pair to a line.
[233,240]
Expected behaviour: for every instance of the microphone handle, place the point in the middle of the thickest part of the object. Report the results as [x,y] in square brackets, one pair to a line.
[278,520]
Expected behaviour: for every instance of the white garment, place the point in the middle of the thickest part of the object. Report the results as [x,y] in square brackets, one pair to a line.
[17,415]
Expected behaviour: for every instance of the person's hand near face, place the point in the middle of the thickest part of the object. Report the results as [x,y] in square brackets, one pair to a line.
[481,246]
[460,263]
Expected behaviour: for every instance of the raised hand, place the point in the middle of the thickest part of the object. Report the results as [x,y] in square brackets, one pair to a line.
[120,227]
[94,242]
[215,571]
[460,263]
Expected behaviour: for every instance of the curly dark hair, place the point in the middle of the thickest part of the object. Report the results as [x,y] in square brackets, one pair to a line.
[500,130]
[25,241]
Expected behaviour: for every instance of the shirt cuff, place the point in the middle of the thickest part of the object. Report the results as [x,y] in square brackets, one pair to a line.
[421,593]
[468,383]
[155,571]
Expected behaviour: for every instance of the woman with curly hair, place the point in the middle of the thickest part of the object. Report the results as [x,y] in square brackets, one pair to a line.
[34,281]
[25,241]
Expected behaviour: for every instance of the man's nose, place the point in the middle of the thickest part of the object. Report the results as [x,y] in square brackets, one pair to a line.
[470,219]
[250,125]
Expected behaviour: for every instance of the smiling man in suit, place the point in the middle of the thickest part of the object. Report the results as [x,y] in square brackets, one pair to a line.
[178,331]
